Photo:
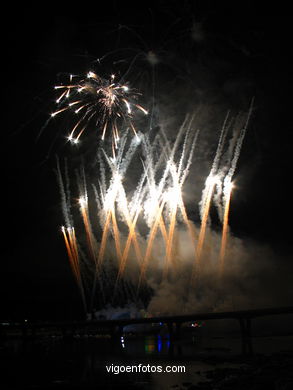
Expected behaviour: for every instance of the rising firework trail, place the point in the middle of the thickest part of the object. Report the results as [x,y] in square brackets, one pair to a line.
[72,251]
[65,195]
[209,188]
[131,238]
[205,203]
[150,243]
[83,202]
[206,199]
[228,186]
[239,127]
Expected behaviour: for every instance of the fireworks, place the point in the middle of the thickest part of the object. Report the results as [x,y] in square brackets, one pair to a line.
[102,104]
[123,226]
[228,186]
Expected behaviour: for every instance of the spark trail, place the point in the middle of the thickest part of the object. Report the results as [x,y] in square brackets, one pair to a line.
[150,243]
[87,225]
[242,123]
[228,186]
[72,251]
[210,184]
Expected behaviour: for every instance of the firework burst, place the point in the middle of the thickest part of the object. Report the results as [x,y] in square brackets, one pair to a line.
[99,103]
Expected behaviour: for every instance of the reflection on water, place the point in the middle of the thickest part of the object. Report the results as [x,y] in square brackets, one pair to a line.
[149,345]
[60,363]
[55,362]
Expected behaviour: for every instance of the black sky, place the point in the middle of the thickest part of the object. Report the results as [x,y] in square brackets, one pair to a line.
[239,54]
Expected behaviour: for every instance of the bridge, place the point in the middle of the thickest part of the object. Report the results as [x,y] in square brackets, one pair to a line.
[174,323]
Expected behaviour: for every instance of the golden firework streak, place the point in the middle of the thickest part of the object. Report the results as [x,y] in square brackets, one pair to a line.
[84,213]
[131,237]
[225,230]
[72,251]
[151,238]
[201,237]
[169,246]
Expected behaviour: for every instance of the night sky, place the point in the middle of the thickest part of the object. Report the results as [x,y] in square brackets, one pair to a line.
[237,54]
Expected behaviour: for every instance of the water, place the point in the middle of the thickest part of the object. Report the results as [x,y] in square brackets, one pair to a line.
[56,363]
